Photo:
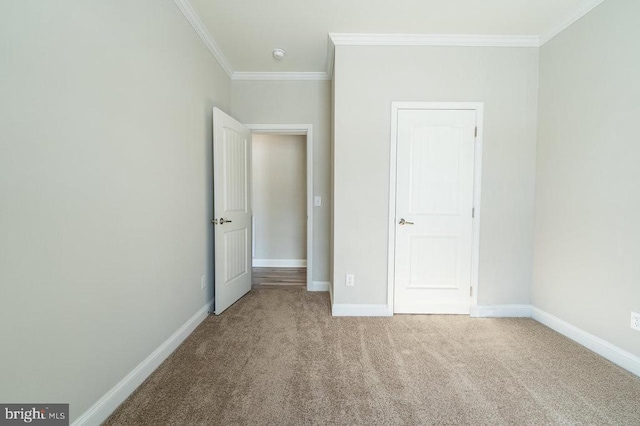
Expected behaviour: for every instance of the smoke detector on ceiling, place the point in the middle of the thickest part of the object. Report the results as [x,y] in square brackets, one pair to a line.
[278,54]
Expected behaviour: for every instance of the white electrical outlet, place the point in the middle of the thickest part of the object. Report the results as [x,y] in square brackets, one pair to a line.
[635,320]
[202,282]
[350,280]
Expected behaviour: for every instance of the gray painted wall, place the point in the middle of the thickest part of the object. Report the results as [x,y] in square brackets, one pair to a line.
[586,268]
[367,80]
[296,102]
[279,175]
[105,176]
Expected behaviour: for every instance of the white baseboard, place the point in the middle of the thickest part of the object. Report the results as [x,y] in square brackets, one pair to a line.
[347,310]
[618,356]
[319,286]
[501,311]
[607,350]
[106,405]
[279,263]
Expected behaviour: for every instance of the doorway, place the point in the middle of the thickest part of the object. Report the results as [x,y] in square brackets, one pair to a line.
[434,207]
[282,159]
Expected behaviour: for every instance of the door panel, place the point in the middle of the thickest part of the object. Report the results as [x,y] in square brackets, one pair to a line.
[235,171]
[433,262]
[434,182]
[235,249]
[434,172]
[232,210]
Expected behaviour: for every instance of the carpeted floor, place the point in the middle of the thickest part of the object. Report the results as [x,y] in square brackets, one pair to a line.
[277,357]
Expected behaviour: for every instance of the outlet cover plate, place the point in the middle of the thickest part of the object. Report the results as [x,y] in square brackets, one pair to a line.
[350,280]
[635,320]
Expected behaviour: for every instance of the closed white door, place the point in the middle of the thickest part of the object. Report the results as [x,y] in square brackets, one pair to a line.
[434,197]
[231,209]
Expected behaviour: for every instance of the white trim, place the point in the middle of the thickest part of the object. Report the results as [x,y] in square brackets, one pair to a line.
[280,129]
[331,56]
[253,236]
[279,263]
[200,29]
[331,293]
[286,76]
[618,356]
[356,39]
[349,310]
[391,241]
[106,405]
[298,129]
[477,205]
[501,311]
[365,39]
[320,286]
[581,9]
[477,185]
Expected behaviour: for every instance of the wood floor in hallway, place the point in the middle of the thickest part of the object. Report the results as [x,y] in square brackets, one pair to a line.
[277,277]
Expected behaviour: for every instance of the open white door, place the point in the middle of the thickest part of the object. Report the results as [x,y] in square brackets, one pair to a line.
[231,210]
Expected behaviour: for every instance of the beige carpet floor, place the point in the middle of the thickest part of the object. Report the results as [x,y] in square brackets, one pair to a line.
[277,357]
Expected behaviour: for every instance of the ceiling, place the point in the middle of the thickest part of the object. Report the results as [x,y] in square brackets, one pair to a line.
[246,31]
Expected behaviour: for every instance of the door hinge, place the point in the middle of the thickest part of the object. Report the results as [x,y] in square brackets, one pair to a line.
[473,212]
[475,134]
[470,291]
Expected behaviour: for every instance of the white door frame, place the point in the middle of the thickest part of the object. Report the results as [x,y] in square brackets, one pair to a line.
[299,130]
[478,107]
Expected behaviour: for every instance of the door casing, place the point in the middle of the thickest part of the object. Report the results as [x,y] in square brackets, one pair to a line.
[301,130]
[478,107]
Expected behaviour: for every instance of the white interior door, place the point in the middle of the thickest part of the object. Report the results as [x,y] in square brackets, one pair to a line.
[231,210]
[434,201]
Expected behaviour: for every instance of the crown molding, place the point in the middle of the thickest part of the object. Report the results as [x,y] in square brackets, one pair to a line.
[584,7]
[193,18]
[358,39]
[282,76]
[347,39]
